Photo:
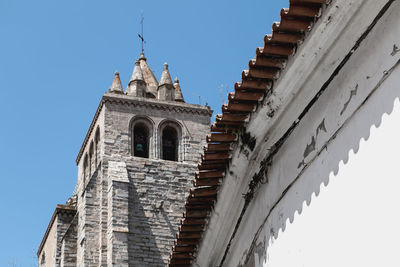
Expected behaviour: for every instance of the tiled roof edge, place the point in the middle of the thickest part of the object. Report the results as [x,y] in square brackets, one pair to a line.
[256,83]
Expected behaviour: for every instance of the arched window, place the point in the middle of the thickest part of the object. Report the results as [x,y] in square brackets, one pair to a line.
[97,147]
[170,144]
[141,139]
[170,140]
[85,168]
[43,259]
[91,159]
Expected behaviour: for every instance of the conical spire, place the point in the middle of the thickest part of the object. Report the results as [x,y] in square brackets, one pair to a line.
[165,77]
[166,89]
[178,91]
[116,86]
[137,72]
[137,85]
[149,78]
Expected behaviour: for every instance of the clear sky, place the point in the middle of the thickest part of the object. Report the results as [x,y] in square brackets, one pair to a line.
[57,58]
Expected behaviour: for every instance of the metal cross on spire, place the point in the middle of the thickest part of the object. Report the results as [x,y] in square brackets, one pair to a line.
[141,34]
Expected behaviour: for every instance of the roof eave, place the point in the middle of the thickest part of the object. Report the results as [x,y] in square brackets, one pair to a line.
[306,74]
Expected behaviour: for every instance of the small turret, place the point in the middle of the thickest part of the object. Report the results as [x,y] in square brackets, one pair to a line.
[178,91]
[116,86]
[166,90]
[149,78]
[137,85]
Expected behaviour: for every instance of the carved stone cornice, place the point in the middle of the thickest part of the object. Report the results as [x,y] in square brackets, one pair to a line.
[179,107]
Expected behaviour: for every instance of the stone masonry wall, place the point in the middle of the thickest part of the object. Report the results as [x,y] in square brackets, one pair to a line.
[63,221]
[145,197]
[88,224]
[118,214]
[129,207]
[103,198]
[69,246]
[157,196]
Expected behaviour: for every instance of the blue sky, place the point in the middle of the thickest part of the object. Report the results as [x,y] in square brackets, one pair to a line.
[57,58]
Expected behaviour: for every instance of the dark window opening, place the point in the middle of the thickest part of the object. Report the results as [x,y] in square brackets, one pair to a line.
[91,159]
[141,141]
[85,169]
[169,144]
[97,147]
[43,260]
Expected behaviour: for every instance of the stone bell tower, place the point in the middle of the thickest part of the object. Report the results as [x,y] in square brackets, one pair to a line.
[136,163]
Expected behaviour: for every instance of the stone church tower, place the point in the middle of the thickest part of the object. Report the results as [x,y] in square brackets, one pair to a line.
[136,163]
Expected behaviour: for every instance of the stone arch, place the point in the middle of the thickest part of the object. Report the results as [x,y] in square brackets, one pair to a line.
[169,143]
[150,95]
[141,137]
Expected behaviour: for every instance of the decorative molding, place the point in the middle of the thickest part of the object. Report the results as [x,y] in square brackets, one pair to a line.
[157,104]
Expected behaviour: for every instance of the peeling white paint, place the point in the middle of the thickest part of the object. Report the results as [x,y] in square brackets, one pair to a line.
[323,137]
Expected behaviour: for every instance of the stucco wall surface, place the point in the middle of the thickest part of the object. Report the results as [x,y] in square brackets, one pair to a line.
[356,86]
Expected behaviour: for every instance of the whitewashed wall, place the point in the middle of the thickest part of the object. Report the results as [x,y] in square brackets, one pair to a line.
[365,37]
[354,221]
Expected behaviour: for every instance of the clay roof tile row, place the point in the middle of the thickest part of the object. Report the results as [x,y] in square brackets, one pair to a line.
[256,82]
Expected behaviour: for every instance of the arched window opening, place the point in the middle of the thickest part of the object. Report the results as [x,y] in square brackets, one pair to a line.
[85,169]
[169,144]
[150,95]
[97,147]
[43,259]
[91,159]
[141,141]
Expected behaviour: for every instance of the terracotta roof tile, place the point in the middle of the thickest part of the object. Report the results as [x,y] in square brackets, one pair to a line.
[300,11]
[256,83]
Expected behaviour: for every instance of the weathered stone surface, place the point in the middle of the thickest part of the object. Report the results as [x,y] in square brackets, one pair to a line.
[128,208]
[146,195]
[50,250]
[68,246]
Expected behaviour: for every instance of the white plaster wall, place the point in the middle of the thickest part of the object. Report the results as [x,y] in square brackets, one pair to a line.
[373,70]
[331,127]
[355,220]
[50,246]
[331,38]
